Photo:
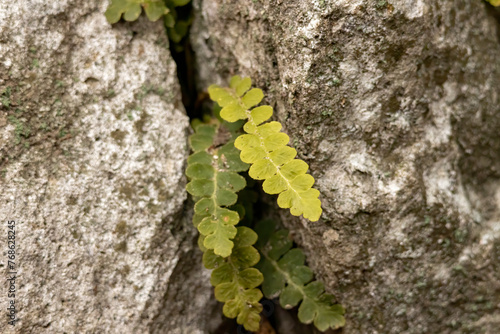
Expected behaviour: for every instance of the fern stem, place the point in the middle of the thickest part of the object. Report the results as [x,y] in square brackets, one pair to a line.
[250,120]
[236,271]
[285,274]
[261,139]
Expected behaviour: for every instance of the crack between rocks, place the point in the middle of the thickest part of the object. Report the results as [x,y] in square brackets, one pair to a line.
[184,58]
[495,13]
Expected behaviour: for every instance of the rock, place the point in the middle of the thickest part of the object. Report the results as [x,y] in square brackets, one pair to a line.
[394,104]
[93,141]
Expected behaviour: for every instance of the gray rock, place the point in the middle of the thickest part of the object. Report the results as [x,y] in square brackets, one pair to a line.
[394,104]
[93,142]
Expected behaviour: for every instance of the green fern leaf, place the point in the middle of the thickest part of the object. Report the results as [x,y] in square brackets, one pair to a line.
[236,282]
[265,148]
[286,276]
[155,9]
[131,9]
[177,26]
[219,231]
[214,182]
[229,158]
[177,3]
[169,20]
[179,30]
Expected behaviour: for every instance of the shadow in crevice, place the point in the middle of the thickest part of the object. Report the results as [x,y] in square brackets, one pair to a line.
[494,12]
[184,57]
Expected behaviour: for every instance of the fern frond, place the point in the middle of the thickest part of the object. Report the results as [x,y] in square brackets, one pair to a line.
[214,182]
[131,9]
[265,148]
[236,282]
[177,27]
[286,276]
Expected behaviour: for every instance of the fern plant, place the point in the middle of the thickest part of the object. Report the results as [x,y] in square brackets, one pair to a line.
[238,268]
[214,180]
[240,258]
[286,276]
[265,148]
[130,10]
[235,280]
[213,172]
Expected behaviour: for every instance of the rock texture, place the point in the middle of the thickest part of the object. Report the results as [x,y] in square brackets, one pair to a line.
[394,104]
[93,147]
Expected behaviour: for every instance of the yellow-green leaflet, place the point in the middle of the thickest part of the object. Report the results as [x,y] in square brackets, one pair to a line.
[228,250]
[265,148]
[214,182]
[236,281]
[131,9]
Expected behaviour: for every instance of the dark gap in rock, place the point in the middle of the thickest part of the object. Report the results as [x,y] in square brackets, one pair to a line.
[184,57]
[495,12]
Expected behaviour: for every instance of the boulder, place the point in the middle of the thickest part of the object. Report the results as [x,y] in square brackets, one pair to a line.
[93,142]
[394,104]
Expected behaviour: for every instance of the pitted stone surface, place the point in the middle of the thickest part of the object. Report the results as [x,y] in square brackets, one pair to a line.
[93,146]
[394,104]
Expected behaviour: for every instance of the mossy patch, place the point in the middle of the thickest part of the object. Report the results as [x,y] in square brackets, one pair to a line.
[121,247]
[121,228]
[118,136]
[139,124]
[21,128]
[127,191]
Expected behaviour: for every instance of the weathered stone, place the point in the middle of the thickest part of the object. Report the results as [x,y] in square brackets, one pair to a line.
[93,142]
[394,104]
